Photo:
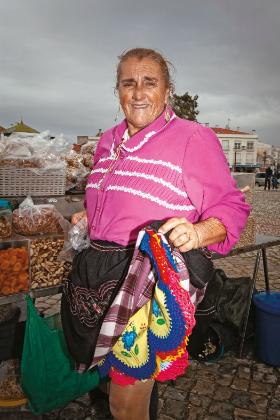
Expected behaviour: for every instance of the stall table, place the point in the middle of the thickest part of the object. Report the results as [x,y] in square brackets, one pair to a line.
[261,244]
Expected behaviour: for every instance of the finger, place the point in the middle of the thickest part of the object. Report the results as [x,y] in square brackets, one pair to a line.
[186,247]
[181,240]
[74,220]
[182,229]
[77,217]
[172,223]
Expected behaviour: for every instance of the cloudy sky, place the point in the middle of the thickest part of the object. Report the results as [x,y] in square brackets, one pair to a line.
[58,60]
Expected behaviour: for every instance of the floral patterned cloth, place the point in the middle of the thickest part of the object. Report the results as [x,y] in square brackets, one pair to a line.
[153,343]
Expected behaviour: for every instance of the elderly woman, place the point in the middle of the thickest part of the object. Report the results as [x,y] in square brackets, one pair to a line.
[151,166]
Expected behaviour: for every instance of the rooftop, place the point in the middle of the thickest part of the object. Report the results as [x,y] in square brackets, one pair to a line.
[20,127]
[219,130]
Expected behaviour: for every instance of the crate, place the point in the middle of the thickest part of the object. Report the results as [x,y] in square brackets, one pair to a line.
[34,182]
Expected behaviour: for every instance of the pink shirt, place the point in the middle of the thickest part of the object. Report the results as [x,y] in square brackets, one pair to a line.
[165,170]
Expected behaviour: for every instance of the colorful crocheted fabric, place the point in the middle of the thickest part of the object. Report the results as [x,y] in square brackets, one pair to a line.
[153,344]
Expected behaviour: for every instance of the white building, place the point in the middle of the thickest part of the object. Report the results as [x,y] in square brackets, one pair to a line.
[239,148]
[275,153]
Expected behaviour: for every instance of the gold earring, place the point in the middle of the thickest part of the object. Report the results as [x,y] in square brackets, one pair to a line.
[167,115]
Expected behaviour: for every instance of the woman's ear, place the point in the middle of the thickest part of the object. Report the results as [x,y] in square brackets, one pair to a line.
[166,99]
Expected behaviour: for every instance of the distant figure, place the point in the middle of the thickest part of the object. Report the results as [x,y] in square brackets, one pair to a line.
[100,132]
[274,180]
[268,175]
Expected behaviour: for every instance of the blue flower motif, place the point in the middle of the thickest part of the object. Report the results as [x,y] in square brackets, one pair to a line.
[155,308]
[128,339]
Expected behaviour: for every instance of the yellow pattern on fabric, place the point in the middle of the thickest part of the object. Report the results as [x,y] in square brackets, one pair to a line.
[157,326]
[132,346]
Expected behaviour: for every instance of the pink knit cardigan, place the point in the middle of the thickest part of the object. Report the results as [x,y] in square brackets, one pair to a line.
[166,170]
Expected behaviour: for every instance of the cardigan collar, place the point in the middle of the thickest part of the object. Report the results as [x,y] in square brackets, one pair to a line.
[136,141]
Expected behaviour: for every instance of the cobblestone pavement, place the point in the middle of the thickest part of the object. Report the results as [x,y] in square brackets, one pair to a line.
[231,388]
[266,212]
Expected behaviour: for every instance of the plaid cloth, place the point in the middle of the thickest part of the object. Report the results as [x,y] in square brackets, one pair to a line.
[136,291]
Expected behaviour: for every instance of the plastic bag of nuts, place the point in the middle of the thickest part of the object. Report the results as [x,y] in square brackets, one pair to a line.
[5,223]
[46,269]
[31,219]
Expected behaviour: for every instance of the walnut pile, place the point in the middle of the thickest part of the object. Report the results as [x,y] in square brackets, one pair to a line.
[10,388]
[46,269]
[43,221]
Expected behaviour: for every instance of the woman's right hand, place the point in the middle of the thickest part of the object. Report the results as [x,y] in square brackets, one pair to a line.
[76,217]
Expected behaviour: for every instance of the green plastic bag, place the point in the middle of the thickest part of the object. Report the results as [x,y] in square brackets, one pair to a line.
[47,375]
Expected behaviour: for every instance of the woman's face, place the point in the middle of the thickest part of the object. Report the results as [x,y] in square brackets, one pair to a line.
[142,92]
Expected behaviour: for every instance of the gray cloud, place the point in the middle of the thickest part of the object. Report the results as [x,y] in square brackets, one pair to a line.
[58,59]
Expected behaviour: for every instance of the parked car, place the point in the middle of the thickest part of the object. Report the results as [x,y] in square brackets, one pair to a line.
[260,179]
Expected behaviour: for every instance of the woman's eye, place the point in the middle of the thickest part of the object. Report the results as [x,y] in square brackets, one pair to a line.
[150,84]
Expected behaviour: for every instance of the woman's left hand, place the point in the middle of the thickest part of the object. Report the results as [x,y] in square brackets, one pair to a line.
[183,235]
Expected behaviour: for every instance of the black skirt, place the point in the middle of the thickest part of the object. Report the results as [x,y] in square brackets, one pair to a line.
[97,274]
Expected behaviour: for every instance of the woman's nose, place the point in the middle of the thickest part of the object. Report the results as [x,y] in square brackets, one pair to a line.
[138,93]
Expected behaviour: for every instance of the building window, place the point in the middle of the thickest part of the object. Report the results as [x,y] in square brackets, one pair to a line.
[250,145]
[225,144]
[238,157]
[249,158]
[237,145]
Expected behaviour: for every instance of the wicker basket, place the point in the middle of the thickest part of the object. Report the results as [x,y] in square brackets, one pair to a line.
[25,181]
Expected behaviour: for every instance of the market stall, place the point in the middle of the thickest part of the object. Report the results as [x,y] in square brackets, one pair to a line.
[32,234]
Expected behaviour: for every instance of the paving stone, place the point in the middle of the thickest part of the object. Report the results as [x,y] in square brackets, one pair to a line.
[258,403]
[204,388]
[195,413]
[205,375]
[175,409]
[240,413]
[174,394]
[221,409]
[212,418]
[244,362]
[240,399]
[244,372]
[224,380]
[275,404]
[273,414]
[261,367]
[199,401]
[261,388]
[270,379]
[161,388]
[222,393]
[277,392]
[73,412]
[185,384]
[195,400]
[240,384]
